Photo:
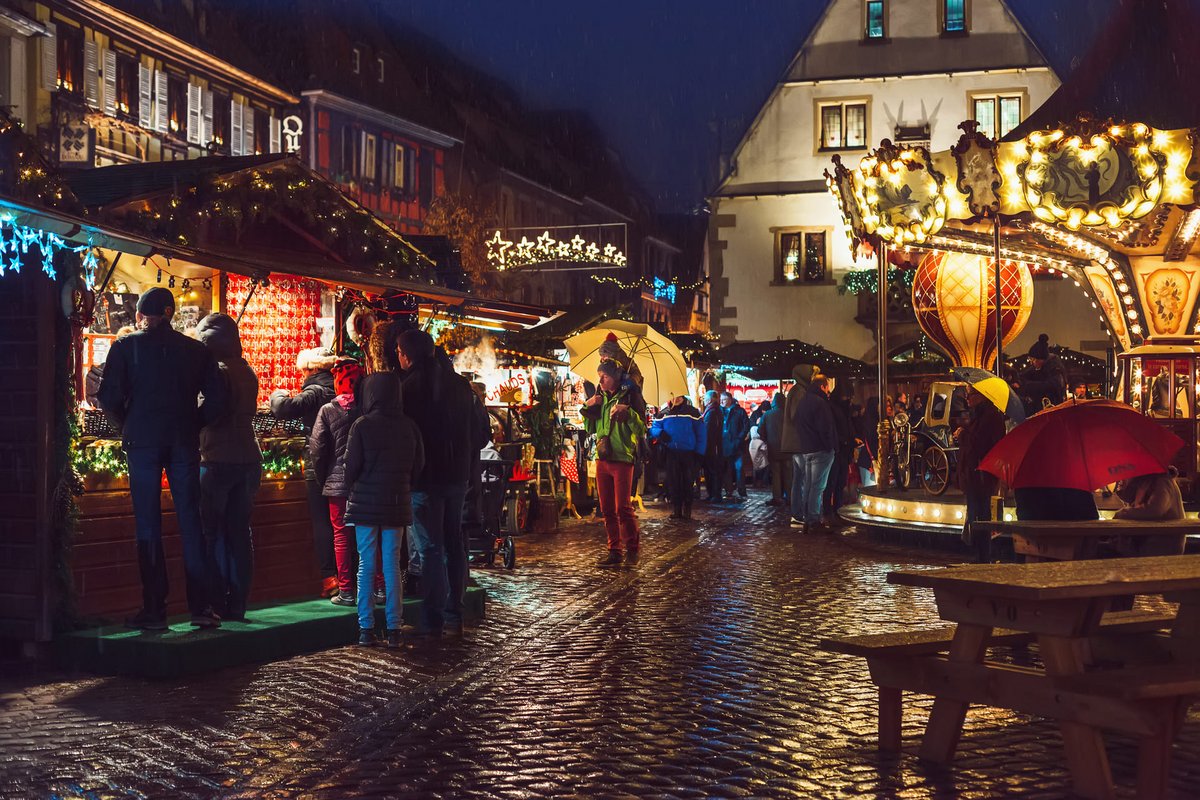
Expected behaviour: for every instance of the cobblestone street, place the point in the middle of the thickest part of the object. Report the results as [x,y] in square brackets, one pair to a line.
[695,674]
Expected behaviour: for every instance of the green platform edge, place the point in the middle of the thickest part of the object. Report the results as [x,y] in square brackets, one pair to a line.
[271,632]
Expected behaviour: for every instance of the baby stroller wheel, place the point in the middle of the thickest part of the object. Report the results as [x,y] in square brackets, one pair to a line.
[508,553]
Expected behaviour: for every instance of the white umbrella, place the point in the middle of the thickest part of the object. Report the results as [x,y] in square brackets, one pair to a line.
[657,358]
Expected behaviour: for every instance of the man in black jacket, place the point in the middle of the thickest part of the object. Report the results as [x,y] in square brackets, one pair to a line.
[316,365]
[442,405]
[153,381]
[817,441]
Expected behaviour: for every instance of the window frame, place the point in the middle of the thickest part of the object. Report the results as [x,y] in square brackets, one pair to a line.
[996,95]
[822,103]
[803,231]
[222,123]
[944,19]
[399,178]
[867,38]
[379,69]
[128,91]
[177,105]
[355,60]
[69,57]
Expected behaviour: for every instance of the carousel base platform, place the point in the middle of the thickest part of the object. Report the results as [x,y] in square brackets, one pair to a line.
[914,517]
[270,632]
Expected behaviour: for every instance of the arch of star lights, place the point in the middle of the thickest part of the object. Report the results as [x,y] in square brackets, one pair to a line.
[507,254]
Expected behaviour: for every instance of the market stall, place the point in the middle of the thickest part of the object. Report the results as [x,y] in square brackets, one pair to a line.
[275,246]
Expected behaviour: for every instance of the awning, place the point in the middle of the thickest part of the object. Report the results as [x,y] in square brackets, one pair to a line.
[774,360]
[496,315]
[255,215]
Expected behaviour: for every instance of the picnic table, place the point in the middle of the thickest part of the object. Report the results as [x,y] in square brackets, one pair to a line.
[1063,606]
[1062,540]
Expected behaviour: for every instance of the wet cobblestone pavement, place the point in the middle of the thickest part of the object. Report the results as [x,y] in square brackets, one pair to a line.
[695,674]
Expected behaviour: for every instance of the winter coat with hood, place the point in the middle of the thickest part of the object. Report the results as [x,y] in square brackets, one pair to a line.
[735,430]
[316,391]
[803,375]
[152,382]
[680,429]
[230,438]
[383,455]
[1152,497]
[771,426]
[442,404]
[330,435]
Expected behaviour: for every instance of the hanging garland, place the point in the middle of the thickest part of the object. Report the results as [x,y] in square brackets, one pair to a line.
[867,280]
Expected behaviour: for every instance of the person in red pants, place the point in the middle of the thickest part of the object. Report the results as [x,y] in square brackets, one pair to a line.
[607,415]
[331,432]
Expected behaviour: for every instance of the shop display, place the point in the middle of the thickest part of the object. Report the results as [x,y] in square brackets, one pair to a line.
[278,322]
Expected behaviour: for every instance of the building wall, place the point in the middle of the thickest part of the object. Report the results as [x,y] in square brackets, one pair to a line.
[398,190]
[776,182]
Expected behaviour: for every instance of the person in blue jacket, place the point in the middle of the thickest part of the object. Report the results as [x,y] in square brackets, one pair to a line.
[681,435]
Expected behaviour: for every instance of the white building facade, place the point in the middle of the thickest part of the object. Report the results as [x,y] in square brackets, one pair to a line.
[905,70]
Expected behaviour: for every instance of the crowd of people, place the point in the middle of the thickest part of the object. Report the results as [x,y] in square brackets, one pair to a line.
[390,456]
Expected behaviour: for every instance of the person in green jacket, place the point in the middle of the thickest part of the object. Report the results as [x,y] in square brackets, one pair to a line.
[618,429]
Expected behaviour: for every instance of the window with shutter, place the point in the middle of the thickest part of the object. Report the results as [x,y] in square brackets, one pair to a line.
[398,174]
[206,117]
[194,130]
[235,128]
[49,45]
[276,142]
[145,97]
[109,76]
[161,100]
[91,73]
[368,158]
[247,130]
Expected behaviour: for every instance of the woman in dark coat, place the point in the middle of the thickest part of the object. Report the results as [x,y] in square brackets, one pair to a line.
[331,433]
[975,440]
[382,456]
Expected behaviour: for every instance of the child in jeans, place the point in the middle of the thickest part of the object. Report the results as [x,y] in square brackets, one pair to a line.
[330,434]
[382,455]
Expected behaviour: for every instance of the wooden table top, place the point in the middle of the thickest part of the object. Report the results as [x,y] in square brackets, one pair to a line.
[1096,527]
[1062,580]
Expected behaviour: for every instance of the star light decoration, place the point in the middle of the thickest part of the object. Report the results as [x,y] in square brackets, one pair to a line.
[17,240]
[504,254]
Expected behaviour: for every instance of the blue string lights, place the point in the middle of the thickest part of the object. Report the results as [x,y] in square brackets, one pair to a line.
[664,290]
[17,240]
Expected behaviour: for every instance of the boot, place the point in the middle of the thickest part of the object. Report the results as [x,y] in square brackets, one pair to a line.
[687,511]
[613,559]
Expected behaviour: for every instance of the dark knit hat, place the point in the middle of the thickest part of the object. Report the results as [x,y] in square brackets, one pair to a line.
[219,333]
[1041,348]
[155,302]
[610,368]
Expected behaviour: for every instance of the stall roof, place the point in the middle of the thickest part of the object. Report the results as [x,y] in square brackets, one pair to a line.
[774,360]
[503,315]
[255,215]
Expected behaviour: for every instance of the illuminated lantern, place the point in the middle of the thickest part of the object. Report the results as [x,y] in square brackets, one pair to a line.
[953,296]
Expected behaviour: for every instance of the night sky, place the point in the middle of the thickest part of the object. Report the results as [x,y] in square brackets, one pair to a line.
[673,82]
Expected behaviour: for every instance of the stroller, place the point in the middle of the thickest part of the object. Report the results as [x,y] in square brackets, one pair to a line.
[506,514]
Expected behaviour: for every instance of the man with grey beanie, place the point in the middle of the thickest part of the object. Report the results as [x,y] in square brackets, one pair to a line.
[159,389]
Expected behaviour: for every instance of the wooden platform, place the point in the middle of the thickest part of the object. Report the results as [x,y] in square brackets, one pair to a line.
[271,632]
[104,554]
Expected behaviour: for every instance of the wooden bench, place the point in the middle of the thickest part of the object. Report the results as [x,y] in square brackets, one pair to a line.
[909,661]
[1061,540]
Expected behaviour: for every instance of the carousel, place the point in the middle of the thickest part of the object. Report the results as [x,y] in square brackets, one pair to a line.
[1097,187]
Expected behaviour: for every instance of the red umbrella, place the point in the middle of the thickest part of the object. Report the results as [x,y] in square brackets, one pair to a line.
[1081,444]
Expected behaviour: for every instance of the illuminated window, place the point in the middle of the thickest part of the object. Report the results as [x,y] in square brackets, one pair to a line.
[997,115]
[802,258]
[843,126]
[876,20]
[70,58]
[398,175]
[954,16]
[368,170]
[127,86]
[355,60]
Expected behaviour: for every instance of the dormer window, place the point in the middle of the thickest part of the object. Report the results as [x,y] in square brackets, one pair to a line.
[876,21]
[379,69]
[954,16]
[355,60]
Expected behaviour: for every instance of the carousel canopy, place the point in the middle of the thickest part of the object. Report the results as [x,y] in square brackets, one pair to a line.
[1099,185]
[774,360]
